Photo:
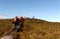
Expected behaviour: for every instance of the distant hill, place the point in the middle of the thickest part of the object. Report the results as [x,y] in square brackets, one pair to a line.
[33,29]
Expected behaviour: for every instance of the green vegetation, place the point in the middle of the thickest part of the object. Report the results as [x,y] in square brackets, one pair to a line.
[33,29]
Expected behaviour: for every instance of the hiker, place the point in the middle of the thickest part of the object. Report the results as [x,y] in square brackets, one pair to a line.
[16,23]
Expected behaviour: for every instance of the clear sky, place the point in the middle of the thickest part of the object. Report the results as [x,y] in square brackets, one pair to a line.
[42,9]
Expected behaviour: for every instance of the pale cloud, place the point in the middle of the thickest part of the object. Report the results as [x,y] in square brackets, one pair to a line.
[2,16]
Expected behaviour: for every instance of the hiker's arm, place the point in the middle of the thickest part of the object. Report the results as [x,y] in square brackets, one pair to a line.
[14,20]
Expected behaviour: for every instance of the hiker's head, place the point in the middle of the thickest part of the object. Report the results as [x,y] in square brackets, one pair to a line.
[16,16]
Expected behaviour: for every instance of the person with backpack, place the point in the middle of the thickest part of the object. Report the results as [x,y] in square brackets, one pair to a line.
[18,24]
[15,23]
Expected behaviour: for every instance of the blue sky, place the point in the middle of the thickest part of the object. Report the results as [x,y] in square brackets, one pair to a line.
[42,9]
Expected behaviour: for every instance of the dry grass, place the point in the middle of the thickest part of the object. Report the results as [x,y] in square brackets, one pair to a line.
[33,29]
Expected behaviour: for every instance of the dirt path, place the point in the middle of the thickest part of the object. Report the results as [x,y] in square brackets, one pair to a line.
[7,37]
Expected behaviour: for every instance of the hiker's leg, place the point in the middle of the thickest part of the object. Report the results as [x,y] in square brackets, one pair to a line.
[18,28]
[21,26]
[13,29]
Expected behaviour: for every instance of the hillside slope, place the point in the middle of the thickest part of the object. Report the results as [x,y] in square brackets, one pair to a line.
[33,29]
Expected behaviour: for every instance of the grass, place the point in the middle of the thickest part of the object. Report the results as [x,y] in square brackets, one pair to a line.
[33,29]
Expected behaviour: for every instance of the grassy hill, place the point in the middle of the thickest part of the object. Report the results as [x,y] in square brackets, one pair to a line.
[33,29]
